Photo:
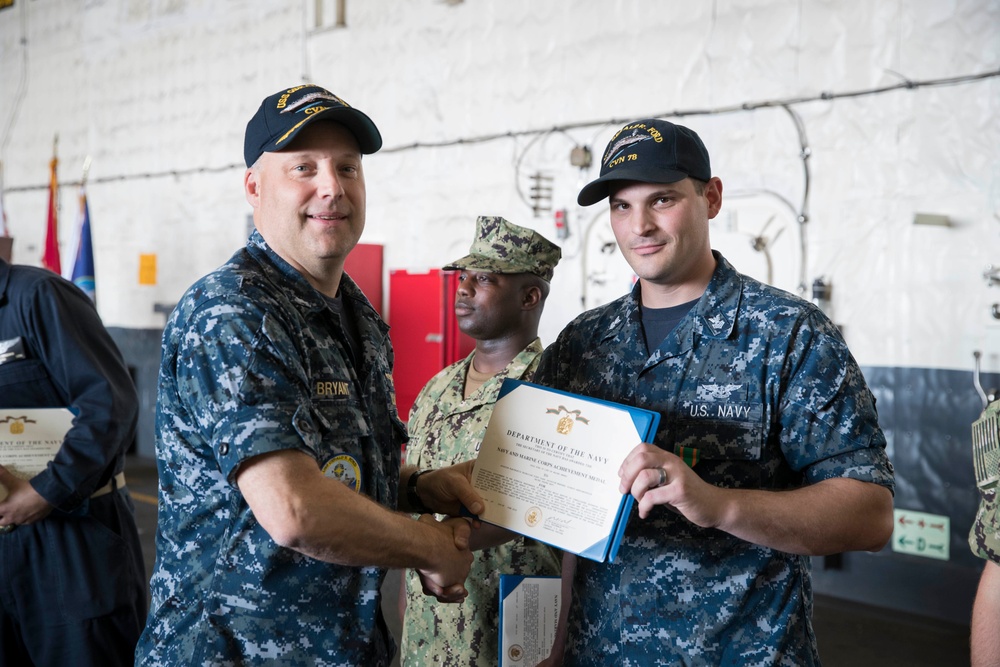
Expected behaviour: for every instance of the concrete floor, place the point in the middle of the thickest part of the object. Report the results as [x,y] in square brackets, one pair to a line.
[850,634]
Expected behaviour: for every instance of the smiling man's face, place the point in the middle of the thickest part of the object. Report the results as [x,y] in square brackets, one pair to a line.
[309,200]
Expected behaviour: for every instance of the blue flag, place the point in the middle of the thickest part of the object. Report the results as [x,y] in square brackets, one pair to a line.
[83,267]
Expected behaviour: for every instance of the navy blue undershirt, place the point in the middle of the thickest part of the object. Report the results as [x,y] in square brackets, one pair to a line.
[657,323]
[349,325]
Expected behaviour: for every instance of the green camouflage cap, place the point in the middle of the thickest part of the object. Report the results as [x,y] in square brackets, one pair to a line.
[503,247]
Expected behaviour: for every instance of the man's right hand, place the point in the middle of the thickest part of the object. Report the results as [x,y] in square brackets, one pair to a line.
[22,505]
[447,490]
[446,580]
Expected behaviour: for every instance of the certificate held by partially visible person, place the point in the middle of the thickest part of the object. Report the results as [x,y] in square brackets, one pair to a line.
[30,438]
[529,617]
[548,467]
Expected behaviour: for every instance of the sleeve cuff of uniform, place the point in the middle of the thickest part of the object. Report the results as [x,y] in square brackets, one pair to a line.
[56,494]
[250,433]
[865,465]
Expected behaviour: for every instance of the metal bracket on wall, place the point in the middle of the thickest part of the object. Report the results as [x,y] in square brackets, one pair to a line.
[992,275]
[541,193]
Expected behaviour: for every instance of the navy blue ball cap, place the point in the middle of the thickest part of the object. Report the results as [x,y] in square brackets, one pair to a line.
[283,115]
[649,151]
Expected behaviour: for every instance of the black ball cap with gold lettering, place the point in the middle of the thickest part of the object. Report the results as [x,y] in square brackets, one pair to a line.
[283,115]
[649,151]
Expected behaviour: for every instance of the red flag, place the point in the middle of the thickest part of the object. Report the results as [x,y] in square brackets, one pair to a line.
[50,258]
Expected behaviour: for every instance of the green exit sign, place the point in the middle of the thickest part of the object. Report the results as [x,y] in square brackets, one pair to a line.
[921,534]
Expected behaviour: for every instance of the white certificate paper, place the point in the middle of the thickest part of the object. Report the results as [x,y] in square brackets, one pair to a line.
[548,467]
[529,615]
[30,438]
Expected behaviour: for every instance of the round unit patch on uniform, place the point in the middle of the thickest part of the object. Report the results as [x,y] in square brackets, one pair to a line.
[345,468]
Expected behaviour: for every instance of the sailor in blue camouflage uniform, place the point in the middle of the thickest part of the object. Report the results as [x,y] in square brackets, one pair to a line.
[757,391]
[278,441]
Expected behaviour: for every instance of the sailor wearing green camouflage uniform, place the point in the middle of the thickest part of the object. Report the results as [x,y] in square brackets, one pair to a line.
[984,539]
[447,424]
[278,443]
[757,390]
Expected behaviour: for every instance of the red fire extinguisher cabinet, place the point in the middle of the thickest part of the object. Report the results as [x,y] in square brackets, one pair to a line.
[423,329]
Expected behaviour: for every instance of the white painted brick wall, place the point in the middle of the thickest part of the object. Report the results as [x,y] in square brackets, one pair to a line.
[165,87]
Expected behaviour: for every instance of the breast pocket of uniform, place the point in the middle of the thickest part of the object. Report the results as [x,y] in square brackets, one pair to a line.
[26,383]
[338,433]
[728,438]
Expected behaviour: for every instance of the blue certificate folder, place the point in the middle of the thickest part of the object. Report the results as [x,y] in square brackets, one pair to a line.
[547,466]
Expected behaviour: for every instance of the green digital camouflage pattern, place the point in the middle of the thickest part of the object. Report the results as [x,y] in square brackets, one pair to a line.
[984,538]
[446,429]
[503,247]
[254,362]
[763,385]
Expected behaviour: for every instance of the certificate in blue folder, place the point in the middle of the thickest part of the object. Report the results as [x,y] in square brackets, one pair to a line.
[548,467]
[529,617]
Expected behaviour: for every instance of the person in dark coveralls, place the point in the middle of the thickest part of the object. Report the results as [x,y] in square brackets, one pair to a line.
[768,451]
[278,440]
[72,579]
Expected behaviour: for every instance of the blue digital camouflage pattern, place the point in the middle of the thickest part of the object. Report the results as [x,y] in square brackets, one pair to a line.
[763,385]
[446,428]
[984,538]
[254,361]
